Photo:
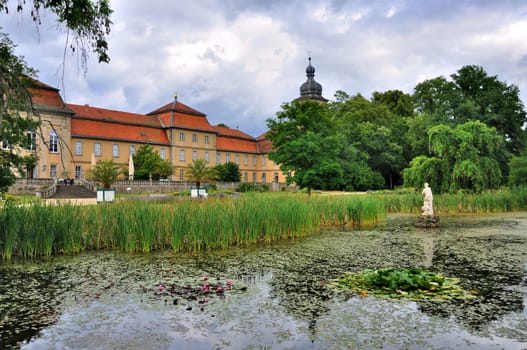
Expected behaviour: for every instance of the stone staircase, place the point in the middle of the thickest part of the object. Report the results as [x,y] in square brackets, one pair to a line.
[73,191]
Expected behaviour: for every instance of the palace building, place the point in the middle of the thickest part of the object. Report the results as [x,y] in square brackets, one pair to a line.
[74,137]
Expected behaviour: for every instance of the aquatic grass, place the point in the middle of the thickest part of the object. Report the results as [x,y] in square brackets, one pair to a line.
[189,225]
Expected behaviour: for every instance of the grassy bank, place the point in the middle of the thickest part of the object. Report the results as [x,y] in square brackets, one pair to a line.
[407,201]
[185,225]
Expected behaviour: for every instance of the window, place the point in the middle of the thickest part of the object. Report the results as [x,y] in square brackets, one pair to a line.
[254,177]
[53,142]
[228,158]
[254,160]
[162,153]
[194,155]
[181,136]
[207,156]
[246,177]
[78,171]
[131,150]
[264,178]
[218,158]
[275,177]
[31,141]
[181,174]
[115,150]
[206,139]
[194,138]
[245,160]
[264,160]
[78,148]
[237,159]
[97,149]
[182,155]
[53,171]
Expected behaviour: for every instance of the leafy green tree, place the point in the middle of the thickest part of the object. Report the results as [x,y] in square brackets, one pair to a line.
[399,103]
[228,172]
[105,172]
[375,137]
[474,95]
[199,171]
[89,23]
[518,170]
[148,163]
[464,157]
[306,145]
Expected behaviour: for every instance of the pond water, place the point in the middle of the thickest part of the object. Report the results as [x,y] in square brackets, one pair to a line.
[274,295]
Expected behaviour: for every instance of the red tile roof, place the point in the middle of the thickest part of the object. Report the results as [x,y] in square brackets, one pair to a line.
[46,97]
[235,145]
[180,107]
[93,129]
[223,131]
[111,116]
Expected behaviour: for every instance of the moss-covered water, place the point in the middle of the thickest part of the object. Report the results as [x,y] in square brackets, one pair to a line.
[278,299]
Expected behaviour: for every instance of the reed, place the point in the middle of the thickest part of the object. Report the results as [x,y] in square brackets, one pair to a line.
[189,225]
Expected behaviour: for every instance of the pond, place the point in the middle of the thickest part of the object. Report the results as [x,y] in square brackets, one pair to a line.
[274,296]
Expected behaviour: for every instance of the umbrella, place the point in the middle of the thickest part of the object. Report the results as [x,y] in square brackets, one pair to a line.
[93,161]
[131,168]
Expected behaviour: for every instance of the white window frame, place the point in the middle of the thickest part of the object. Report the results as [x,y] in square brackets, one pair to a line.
[206,156]
[218,158]
[97,149]
[207,139]
[194,155]
[182,136]
[131,150]
[78,148]
[115,150]
[182,155]
[32,140]
[194,138]
[162,153]
[53,142]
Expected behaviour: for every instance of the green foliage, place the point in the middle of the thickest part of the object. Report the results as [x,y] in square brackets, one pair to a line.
[105,172]
[183,225]
[15,113]
[199,171]
[374,138]
[474,95]
[411,283]
[518,170]
[228,172]
[306,145]
[466,157]
[88,20]
[148,162]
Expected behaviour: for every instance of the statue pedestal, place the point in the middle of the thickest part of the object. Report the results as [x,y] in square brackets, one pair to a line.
[427,221]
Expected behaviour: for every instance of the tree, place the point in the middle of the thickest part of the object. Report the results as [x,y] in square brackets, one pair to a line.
[518,170]
[148,163]
[199,171]
[375,137]
[106,172]
[474,95]
[228,172]
[306,145]
[464,157]
[89,22]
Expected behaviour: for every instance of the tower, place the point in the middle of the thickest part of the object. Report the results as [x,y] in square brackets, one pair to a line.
[311,90]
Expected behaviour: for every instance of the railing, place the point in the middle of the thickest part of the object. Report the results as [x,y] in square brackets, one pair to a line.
[38,182]
[47,192]
[90,185]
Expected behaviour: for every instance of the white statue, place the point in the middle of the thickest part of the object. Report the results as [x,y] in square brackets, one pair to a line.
[427,208]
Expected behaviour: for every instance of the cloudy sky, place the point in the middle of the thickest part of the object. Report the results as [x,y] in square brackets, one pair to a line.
[238,60]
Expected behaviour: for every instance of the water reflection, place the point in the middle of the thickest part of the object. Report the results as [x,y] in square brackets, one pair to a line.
[97,299]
